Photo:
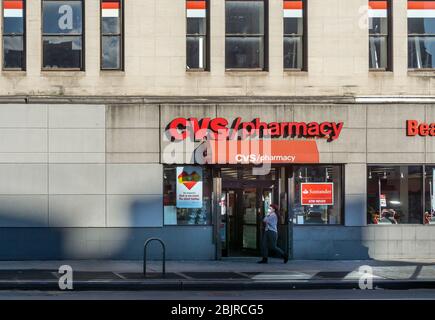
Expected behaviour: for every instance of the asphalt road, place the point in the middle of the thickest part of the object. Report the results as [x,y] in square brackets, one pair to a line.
[340,294]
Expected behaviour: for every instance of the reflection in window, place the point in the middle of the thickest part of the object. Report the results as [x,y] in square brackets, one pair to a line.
[379,15]
[13,35]
[421,34]
[62,34]
[111,35]
[317,214]
[293,34]
[174,215]
[394,194]
[429,206]
[245,36]
[196,38]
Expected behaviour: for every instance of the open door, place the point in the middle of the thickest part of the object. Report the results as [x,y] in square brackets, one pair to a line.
[218,210]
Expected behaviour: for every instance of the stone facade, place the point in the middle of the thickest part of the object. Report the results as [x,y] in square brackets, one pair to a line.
[90,176]
[155,56]
[81,153]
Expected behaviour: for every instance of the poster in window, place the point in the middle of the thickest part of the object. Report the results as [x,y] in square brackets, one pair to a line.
[383,200]
[189,187]
[317,194]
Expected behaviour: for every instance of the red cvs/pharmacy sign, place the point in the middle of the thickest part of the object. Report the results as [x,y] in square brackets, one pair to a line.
[321,194]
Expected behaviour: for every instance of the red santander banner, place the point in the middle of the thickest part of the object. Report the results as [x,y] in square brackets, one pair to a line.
[321,194]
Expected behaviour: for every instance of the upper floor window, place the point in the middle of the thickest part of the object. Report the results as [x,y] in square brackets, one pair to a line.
[62,34]
[14,43]
[111,35]
[196,37]
[293,34]
[379,34]
[421,34]
[245,39]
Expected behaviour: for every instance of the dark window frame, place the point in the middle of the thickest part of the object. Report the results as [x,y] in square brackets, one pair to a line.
[206,36]
[264,36]
[23,35]
[425,166]
[210,221]
[423,187]
[120,35]
[342,194]
[389,37]
[303,37]
[418,35]
[82,35]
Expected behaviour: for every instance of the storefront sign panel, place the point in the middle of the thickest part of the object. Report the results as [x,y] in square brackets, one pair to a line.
[221,128]
[261,152]
[414,128]
[189,187]
[317,194]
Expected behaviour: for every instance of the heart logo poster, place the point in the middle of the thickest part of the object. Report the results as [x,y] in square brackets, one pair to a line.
[189,187]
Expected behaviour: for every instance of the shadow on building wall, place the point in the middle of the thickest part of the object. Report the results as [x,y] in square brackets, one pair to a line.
[24,235]
[24,238]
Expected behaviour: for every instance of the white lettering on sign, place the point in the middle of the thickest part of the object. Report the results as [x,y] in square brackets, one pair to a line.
[258,158]
[66,20]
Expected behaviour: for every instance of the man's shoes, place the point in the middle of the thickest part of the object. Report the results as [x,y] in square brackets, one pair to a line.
[285,258]
[262,261]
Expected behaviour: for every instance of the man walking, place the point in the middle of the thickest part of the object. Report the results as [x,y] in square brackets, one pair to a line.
[270,235]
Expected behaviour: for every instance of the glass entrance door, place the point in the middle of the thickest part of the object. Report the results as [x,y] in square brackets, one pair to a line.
[244,202]
[249,219]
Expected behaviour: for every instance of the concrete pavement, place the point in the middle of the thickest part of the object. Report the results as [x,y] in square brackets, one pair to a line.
[227,274]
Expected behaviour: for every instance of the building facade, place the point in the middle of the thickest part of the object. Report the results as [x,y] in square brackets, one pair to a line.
[117,120]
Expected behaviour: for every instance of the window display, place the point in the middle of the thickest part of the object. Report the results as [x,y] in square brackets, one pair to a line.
[394,194]
[317,195]
[429,211]
[187,195]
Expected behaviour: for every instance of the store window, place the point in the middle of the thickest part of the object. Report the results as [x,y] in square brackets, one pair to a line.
[245,34]
[112,35]
[187,195]
[379,34]
[62,39]
[317,195]
[14,41]
[429,205]
[421,34]
[394,194]
[294,22]
[197,19]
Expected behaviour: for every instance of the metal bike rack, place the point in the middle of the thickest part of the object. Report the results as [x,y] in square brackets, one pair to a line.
[145,255]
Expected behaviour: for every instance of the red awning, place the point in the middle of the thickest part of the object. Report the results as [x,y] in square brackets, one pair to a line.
[261,151]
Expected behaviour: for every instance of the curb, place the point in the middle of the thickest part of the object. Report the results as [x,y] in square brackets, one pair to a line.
[224,285]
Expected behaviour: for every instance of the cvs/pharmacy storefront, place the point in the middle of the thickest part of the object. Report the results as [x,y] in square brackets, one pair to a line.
[226,172]
[376,179]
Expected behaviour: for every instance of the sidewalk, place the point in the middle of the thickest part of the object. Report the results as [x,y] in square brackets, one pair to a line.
[228,274]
